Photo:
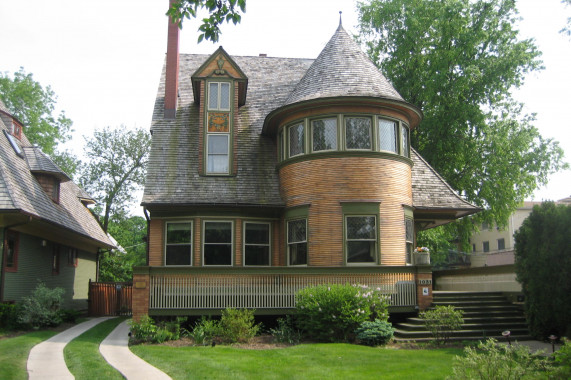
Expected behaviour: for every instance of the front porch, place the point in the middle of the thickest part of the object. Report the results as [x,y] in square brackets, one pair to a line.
[269,290]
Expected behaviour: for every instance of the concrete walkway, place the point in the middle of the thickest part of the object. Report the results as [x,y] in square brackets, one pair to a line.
[46,359]
[116,351]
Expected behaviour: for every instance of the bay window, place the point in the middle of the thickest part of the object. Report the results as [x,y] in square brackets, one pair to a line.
[178,243]
[218,243]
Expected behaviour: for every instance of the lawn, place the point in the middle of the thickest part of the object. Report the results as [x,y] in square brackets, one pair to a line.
[314,361]
[14,353]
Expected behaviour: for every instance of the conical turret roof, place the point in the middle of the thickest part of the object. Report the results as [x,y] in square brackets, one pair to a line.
[342,69]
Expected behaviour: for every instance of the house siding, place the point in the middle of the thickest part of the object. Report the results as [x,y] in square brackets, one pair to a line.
[35,265]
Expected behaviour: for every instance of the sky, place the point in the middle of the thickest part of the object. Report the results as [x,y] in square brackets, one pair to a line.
[103,58]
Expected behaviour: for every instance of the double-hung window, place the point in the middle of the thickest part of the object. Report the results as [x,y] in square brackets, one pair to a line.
[361,239]
[218,242]
[324,134]
[218,128]
[71,257]
[11,251]
[297,242]
[358,133]
[388,135]
[409,238]
[256,243]
[178,247]
[55,259]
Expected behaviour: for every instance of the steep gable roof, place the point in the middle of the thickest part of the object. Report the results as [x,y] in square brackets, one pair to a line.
[342,69]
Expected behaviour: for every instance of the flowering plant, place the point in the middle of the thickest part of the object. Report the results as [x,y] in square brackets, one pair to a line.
[422,249]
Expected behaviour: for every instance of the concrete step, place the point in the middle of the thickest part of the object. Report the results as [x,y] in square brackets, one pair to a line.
[513,339]
[482,333]
[470,326]
[483,319]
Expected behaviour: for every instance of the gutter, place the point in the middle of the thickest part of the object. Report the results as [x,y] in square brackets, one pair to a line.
[146,212]
[2,271]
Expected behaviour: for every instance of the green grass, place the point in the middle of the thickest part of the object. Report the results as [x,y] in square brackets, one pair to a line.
[315,361]
[82,354]
[14,353]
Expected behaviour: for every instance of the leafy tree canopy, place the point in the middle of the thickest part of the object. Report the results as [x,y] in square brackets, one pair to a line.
[459,60]
[543,267]
[116,168]
[219,11]
[34,106]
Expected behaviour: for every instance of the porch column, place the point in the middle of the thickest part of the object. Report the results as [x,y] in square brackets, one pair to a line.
[141,279]
[423,286]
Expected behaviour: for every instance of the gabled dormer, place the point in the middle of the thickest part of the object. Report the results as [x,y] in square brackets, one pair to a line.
[219,88]
[48,174]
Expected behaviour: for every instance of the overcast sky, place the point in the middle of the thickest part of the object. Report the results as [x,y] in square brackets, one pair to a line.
[103,58]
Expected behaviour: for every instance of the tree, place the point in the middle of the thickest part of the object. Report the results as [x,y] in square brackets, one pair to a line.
[34,106]
[567,29]
[116,168]
[218,12]
[129,233]
[543,267]
[459,60]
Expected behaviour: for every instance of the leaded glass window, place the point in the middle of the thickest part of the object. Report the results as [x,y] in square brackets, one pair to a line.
[178,246]
[297,242]
[358,132]
[296,134]
[409,238]
[217,247]
[219,96]
[256,243]
[324,134]
[388,135]
[404,140]
[361,239]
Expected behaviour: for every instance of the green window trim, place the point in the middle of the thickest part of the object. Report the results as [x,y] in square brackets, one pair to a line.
[218,242]
[298,248]
[218,128]
[255,244]
[355,211]
[179,241]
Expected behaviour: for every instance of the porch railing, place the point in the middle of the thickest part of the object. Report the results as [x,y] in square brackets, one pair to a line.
[268,288]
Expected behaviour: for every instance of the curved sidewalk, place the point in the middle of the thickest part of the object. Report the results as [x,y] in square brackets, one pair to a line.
[46,359]
[115,349]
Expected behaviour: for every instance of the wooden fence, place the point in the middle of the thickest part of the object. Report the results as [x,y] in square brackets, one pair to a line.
[110,298]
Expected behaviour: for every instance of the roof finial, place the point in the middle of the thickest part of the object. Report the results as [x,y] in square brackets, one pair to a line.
[340,22]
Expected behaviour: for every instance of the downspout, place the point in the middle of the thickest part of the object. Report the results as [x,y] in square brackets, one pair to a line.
[148,234]
[2,271]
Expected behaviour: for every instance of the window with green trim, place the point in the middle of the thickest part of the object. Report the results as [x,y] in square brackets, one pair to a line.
[218,243]
[388,135]
[405,144]
[11,245]
[358,133]
[296,139]
[409,239]
[218,128]
[178,243]
[219,96]
[324,134]
[256,243]
[297,242]
[361,239]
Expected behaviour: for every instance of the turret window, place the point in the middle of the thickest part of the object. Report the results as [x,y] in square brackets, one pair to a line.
[388,133]
[324,134]
[358,133]
[296,135]
[361,239]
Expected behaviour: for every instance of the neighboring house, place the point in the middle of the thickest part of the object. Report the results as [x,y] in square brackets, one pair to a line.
[270,174]
[495,246]
[48,233]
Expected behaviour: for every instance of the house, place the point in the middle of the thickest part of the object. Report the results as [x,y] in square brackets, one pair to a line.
[493,245]
[48,233]
[270,174]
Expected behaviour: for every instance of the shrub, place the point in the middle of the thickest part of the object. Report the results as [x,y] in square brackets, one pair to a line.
[333,312]
[286,331]
[237,325]
[9,316]
[543,267]
[375,333]
[492,361]
[146,330]
[442,321]
[42,307]
[69,315]
[205,330]
[562,358]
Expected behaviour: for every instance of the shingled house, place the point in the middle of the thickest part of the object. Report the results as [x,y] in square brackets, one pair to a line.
[48,233]
[270,174]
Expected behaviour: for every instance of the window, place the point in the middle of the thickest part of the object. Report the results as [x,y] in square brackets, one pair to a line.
[55,259]
[361,239]
[218,128]
[486,246]
[178,246]
[14,144]
[256,243]
[388,135]
[11,251]
[296,134]
[324,134]
[358,132]
[501,244]
[485,226]
[409,238]
[217,249]
[474,247]
[72,257]
[219,96]
[297,242]
[405,148]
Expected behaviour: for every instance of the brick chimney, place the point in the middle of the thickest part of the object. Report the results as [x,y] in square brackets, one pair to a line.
[171,82]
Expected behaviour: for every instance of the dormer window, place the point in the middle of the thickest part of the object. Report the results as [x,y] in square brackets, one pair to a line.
[219,96]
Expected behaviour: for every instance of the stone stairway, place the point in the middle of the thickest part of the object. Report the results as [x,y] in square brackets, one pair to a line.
[486,315]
